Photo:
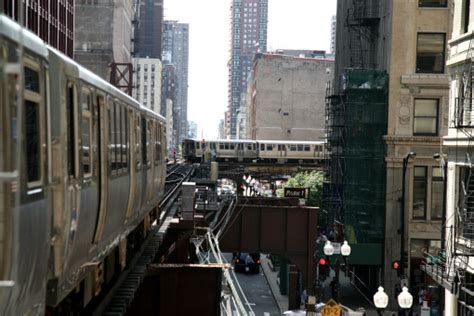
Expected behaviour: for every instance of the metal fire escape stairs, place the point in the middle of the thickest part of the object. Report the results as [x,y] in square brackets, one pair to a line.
[335,143]
[362,21]
[449,268]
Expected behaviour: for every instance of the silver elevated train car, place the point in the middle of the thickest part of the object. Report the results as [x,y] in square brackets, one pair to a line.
[82,166]
[194,150]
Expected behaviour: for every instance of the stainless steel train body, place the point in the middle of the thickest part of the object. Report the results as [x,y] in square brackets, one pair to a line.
[82,164]
[249,150]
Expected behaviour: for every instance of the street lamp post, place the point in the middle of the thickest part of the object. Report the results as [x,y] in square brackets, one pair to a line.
[345,252]
[380,300]
[405,300]
[409,156]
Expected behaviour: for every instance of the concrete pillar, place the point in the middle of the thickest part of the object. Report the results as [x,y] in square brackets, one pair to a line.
[283,276]
[293,289]
[450,303]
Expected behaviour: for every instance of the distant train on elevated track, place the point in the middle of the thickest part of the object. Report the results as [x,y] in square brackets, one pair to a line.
[195,150]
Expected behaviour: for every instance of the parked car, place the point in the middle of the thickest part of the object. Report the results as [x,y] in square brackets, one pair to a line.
[246,262]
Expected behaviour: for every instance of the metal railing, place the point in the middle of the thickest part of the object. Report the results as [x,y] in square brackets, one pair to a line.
[463,113]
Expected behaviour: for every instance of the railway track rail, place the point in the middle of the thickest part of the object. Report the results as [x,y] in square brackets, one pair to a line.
[121,295]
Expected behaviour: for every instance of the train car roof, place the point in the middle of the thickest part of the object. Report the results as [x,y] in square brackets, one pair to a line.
[90,77]
[291,142]
[243,141]
[18,34]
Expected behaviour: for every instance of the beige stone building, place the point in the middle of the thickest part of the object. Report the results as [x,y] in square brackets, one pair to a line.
[287,97]
[408,40]
[417,120]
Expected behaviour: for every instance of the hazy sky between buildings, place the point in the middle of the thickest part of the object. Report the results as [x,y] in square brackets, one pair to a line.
[292,24]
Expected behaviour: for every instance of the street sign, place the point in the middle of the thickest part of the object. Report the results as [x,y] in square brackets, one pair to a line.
[296,192]
[331,309]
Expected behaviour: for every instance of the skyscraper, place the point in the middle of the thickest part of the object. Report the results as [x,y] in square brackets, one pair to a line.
[333,34]
[176,52]
[249,35]
[149,30]
[53,21]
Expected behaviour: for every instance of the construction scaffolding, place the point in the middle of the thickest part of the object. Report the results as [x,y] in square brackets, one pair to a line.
[354,191]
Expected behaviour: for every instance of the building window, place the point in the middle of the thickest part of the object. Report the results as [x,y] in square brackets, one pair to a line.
[433,3]
[437,193]
[430,53]
[425,121]
[419,192]
[466,15]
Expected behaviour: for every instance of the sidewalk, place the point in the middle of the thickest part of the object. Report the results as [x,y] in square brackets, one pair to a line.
[349,295]
[272,279]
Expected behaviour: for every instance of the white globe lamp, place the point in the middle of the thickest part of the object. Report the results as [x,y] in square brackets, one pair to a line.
[345,249]
[405,299]
[328,248]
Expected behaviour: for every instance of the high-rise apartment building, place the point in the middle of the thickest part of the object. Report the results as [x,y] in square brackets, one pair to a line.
[249,35]
[149,29]
[176,53]
[147,78]
[53,21]
[333,34]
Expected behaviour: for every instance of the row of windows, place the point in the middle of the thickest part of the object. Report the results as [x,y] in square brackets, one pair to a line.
[432,3]
[422,190]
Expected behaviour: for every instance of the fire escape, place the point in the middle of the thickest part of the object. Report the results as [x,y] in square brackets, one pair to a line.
[334,162]
[451,268]
[361,26]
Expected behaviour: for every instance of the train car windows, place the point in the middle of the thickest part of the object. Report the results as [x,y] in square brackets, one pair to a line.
[197,145]
[118,137]
[71,130]
[33,124]
[32,80]
[262,147]
[112,137]
[307,148]
[249,146]
[147,143]
[221,146]
[33,140]
[86,133]
[269,147]
[144,141]
[232,146]
[300,147]
[137,140]
[292,147]
[124,133]
[157,143]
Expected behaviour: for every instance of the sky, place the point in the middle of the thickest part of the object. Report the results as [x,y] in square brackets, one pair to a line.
[292,24]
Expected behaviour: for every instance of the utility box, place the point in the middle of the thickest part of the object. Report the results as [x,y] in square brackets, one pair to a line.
[188,195]
[214,171]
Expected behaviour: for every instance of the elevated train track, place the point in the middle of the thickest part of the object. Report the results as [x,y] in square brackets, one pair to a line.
[121,295]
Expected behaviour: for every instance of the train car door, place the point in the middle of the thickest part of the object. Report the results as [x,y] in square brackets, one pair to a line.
[102,164]
[152,169]
[72,147]
[131,144]
[240,151]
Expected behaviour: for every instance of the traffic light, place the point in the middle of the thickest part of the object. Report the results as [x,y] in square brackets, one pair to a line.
[322,262]
[396,266]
